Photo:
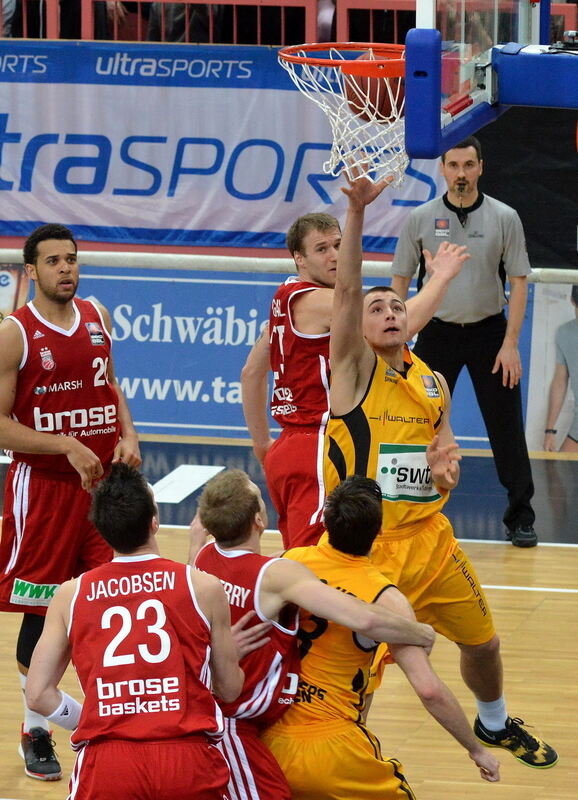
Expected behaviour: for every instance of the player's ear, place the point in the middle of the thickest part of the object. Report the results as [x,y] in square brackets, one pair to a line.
[30,270]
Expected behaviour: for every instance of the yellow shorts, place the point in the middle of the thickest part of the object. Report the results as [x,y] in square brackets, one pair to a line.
[427,564]
[337,760]
[436,576]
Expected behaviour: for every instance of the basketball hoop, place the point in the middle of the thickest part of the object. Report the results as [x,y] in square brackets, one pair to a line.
[360,89]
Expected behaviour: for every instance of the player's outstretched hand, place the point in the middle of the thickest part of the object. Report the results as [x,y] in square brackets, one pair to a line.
[85,462]
[362,191]
[488,764]
[251,638]
[447,262]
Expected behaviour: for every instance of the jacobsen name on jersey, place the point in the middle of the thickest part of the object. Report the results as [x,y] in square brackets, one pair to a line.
[150,582]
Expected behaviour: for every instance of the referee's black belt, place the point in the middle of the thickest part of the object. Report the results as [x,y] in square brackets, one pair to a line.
[477,324]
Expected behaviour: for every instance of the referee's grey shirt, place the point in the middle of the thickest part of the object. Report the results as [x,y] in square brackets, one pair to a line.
[493,234]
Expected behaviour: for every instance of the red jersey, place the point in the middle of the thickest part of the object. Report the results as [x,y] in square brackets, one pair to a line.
[141,647]
[300,364]
[271,672]
[63,386]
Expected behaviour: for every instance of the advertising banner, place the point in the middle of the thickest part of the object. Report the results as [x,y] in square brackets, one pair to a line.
[171,144]
[181,339]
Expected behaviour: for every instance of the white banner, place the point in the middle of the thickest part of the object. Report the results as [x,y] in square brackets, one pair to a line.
[171,144]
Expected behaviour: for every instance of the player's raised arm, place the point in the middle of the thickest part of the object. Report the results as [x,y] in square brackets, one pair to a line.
[351,358]
[442,268]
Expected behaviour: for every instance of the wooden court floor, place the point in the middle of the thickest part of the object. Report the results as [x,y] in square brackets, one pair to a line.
[534,598]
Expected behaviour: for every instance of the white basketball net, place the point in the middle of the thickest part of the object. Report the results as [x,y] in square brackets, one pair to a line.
[371,145]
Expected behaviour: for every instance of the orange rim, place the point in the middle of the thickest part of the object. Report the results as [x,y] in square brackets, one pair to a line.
[389,59]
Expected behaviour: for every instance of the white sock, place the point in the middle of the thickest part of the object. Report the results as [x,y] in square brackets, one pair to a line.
[31,718]
[493,715]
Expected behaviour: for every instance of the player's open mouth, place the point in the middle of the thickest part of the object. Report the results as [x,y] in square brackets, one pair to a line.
[392,329]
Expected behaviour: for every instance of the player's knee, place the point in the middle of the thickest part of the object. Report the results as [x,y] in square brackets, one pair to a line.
[30,632]
[489,649]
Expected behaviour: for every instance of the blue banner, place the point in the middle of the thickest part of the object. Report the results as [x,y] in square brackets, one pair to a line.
[196,145]
[181,339]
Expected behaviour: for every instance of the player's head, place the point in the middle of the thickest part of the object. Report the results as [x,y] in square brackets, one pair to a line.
[461,167]
[384,319]
[353,514]
[50,260]
[124,509]
[42,234]
[231,508]
[313,240]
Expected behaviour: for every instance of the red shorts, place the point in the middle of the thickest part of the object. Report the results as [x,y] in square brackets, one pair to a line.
[46,538]
[255,773]
[188,768]
[294,473]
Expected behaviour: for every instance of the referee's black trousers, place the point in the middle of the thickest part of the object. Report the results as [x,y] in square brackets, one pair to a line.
[447,348]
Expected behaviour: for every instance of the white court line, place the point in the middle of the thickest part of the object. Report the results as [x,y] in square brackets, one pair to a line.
[550,589]
[182,481]
[502,541]
[531,589]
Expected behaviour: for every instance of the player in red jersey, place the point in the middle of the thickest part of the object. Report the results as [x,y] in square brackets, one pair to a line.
[232,510]
[296,348]
[61,415]
[148,638]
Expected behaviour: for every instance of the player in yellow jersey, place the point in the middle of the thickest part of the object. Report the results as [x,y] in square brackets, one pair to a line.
[321,742]
[390,422]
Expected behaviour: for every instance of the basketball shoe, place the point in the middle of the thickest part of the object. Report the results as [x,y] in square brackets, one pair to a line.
[526,748]
[522,537]
[37,750]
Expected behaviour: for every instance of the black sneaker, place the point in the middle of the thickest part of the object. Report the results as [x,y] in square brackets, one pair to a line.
[526,748]
[37,750]
[522,537]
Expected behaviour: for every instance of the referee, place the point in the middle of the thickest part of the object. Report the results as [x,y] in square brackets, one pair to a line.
[470,328]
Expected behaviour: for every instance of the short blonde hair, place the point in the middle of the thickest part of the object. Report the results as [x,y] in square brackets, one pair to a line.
[228,506]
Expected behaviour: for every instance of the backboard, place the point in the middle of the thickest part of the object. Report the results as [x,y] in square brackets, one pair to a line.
[467,61]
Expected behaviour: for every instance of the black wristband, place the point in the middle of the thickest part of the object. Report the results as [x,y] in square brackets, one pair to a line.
[550,430]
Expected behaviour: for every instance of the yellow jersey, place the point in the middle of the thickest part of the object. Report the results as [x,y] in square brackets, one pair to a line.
[385,438]
[335,661]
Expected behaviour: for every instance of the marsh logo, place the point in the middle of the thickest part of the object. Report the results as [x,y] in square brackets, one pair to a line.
[403,474]
[32,594]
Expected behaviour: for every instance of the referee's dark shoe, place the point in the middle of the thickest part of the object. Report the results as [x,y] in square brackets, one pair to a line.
[527,749]
[522,536]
